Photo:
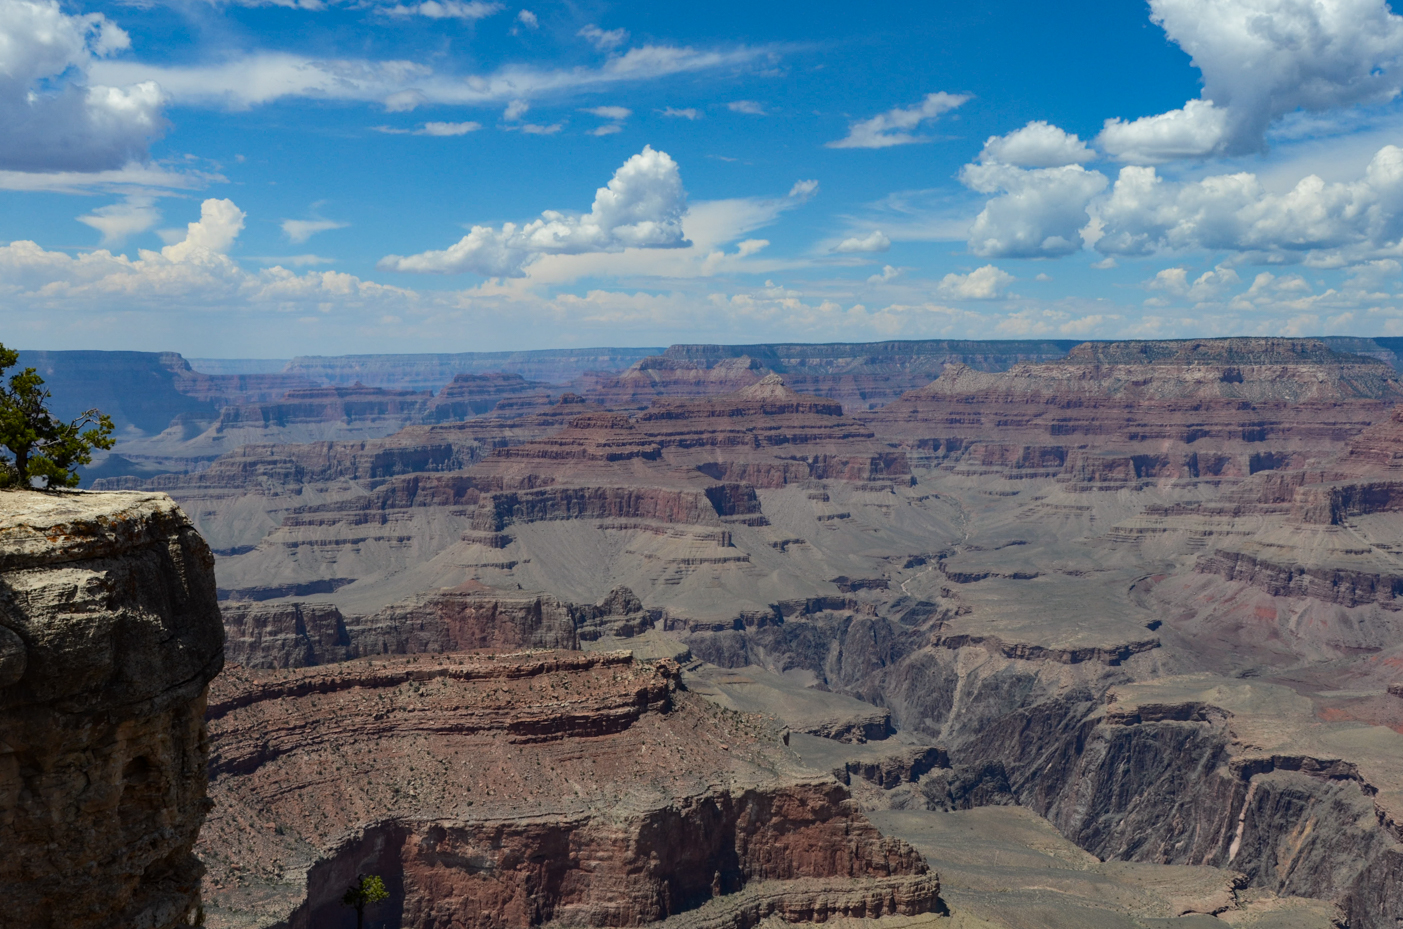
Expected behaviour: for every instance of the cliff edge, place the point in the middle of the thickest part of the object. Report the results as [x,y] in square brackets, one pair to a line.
[109,636]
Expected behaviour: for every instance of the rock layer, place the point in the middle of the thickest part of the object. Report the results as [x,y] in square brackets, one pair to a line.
[109,634]
[513,790]
[472,616]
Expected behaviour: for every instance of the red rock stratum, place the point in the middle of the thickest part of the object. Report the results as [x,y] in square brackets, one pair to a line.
[518,789]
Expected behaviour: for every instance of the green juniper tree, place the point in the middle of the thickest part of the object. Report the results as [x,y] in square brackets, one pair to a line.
[41,448]
[367,889]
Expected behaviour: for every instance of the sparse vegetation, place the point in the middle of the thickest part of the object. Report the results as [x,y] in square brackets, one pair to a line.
[368,890]
[43,451]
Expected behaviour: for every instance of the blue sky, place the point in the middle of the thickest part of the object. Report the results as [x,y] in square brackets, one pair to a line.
[317,177]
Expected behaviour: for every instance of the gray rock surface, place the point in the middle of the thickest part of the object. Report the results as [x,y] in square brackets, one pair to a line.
[109,636]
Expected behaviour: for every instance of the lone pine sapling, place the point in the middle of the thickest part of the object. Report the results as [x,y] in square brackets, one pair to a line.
[42,448]
[368,889]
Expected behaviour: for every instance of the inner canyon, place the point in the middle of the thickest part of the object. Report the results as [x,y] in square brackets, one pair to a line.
[979,635]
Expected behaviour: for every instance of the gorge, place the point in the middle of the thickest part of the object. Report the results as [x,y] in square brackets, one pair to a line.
[1042,635]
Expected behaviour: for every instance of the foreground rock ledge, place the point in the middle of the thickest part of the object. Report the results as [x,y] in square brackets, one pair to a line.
[509,790]
[109,636]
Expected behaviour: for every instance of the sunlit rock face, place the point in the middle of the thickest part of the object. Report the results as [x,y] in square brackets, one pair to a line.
[109,636]
[503,790]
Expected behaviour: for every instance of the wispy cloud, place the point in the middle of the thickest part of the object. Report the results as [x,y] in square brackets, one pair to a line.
[688,113]
[609,112]
[433,129]
[604,39]
[615,113]
[445,9]
[133,176]
[264,77]
[449,129]
[117,221]
[872,242]
[746,106]
[894,127]
[535,129]
[300,230]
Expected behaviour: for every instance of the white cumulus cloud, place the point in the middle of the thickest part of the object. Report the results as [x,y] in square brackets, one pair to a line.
[105,290]
[1210,285]
[1039,214]
[986,283]
[51,117]
[1380,274]
[213,233]
[1260,60]
[528,19]
[1037,145]
[874,241]
[642,207]
[1198,130]
[895,127]
[1146,213]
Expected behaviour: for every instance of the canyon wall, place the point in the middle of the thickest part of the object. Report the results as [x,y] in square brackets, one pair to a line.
[517,789]
[109,636]
[301,634]
[1146,590]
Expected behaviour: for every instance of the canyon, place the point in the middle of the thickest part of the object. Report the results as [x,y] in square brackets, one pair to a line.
[984,634]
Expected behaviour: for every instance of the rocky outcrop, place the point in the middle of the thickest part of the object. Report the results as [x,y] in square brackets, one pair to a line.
[469,395]
[301,634]
[513,790]
[662,376]
[1346,586]
[109,635]
[1172,783]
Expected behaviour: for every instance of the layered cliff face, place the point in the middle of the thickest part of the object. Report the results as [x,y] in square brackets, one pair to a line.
[109,636]
[1117,413]
[432,371]
[469,395]
[471,616]
[513,790]
[955,597]
[861,376]
[686,497]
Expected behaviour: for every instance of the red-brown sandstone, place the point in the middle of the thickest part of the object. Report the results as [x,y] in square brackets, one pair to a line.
[513,790]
